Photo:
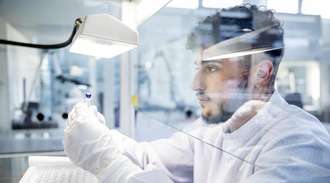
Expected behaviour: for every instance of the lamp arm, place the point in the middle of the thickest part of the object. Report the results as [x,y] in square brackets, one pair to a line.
[78,22]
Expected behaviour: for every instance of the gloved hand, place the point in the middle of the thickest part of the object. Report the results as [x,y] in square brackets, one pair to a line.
[243,115]
[91,145]
[87,141]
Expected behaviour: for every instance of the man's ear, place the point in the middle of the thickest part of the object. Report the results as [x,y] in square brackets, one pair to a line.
[264,71]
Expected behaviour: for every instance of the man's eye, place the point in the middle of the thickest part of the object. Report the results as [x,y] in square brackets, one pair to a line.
[211,68]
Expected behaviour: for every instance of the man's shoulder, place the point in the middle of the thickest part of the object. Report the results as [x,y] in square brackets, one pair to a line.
[298,127]
[301,121]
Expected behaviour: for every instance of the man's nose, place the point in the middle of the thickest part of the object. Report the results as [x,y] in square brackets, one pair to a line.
[198,82]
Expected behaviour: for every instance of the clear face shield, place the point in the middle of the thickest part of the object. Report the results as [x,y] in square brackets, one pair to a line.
[244,61]
[223,84]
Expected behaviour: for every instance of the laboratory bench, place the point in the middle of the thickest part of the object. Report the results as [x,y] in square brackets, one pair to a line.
[17,145]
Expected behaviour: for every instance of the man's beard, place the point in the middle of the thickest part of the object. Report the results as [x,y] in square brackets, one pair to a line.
[235,99]
[220,118]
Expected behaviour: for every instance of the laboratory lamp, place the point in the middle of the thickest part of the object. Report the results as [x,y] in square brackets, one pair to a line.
[99,35]
[103,35]
[247,44]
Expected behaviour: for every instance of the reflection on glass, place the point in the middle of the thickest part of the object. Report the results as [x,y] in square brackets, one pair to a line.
[242,102]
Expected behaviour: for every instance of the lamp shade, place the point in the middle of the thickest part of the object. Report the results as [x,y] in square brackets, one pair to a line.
[105,36]
[253,42]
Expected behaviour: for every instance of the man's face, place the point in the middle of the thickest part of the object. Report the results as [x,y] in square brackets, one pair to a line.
[220,88]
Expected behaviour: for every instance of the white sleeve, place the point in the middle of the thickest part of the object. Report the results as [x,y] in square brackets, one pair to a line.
[120,170]
[174,155]
[294,158]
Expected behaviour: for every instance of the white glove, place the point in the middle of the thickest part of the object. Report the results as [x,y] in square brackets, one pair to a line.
[243,115]
[91,145]
[87,142]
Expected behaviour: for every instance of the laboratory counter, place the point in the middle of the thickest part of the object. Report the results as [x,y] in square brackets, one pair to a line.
[16,146]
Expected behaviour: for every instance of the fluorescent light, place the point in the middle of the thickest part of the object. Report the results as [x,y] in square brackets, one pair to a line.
[104,36]
[243,45]
[99,47]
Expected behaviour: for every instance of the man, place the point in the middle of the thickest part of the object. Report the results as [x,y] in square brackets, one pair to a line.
[263,139]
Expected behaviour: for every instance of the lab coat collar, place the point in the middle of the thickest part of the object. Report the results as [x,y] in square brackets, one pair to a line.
[276,104]
[273,111]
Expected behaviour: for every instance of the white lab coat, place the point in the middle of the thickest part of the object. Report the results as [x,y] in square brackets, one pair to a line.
[286,144]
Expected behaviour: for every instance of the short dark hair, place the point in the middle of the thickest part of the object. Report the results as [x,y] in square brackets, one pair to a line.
[235,21]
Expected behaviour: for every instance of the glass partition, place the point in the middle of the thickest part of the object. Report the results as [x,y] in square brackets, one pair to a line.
[166,66]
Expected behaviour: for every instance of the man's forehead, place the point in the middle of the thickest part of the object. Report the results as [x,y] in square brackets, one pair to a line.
[220,61]
[200,62]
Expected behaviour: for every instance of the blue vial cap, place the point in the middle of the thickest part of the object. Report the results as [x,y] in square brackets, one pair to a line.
[88,94]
